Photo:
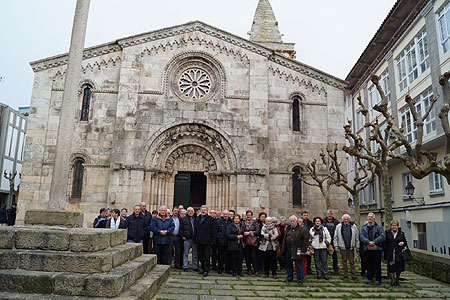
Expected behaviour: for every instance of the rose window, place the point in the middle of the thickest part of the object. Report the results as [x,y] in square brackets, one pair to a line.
[195,84]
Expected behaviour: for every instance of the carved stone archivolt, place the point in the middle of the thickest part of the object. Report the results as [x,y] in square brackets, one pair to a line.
[191,147]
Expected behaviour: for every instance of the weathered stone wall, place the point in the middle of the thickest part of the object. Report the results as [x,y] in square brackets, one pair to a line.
[243,125]
[434,265]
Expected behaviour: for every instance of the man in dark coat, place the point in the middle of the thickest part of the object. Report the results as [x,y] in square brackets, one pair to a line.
[221,242]
[162,227]
[330,223]
[147,219]
[205,237]
[135,226]
[187,227]
[308,224]
[295,244]
[11,215]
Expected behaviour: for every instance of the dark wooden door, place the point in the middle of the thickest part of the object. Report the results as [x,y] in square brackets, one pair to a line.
[182,190]
[198,190]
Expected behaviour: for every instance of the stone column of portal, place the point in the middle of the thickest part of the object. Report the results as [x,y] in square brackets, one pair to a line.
[61,167]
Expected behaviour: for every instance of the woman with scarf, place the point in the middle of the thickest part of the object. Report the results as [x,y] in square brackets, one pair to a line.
[320,239]
[235,245]
[268,246]
[395,243]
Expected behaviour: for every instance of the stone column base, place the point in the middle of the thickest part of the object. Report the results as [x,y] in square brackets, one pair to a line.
[54,218]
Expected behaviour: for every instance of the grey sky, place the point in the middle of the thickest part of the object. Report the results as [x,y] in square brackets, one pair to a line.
[329,34]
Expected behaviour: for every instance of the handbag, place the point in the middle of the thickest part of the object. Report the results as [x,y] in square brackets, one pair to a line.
[371,247]
[330,248]
[406,254]
[252,240]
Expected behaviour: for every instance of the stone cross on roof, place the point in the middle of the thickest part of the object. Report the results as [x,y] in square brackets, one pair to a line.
[265,30]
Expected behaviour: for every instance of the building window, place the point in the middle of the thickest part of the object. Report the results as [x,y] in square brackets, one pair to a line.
[406,177]
[374,95]
[422,105]
[296,114]
[436,186]
[444,26]
[413,61]
[87,92]
[372,192]
[296,187]
[77,184]
[359,119]
[362,196]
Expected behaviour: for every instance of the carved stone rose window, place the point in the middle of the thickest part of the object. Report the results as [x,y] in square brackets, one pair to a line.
[194,84]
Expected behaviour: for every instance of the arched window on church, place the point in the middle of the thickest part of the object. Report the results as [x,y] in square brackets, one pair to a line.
[77,183]
[296,114]
[87,92]
[296,186]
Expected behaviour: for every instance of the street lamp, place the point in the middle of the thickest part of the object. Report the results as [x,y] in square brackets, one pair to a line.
[409,188]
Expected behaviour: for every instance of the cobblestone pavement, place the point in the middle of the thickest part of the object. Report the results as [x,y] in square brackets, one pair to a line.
[190,285]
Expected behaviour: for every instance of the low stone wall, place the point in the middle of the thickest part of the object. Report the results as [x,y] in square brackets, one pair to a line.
[434,265]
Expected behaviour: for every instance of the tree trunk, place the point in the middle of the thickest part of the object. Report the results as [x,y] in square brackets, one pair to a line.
[387,199]
[357,209]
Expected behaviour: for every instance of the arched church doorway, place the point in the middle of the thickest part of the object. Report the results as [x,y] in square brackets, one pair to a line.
[190,189]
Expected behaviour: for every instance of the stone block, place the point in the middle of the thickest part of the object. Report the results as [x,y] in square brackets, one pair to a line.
[118,237]
[54,218]
[90,240]
[26,281]
[43,239]
[7,235]
[8,259]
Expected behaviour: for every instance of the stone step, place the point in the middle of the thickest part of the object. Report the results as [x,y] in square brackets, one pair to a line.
[109,284]
[143,289]
[60,239]
[67,261]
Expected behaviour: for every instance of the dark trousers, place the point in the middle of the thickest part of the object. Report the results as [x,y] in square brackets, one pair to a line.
[373,265]
[335,261]
[282,262]
[145,242]
[308,264]
[290,269]
[270,262]
[321,261]
[250,258]
[236,258]
[204,252]
[176,245]
[163,253]
[362,254]
[260,260]
[222,258]
[214,257]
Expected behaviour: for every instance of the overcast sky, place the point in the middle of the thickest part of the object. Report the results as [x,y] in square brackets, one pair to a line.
[329,34]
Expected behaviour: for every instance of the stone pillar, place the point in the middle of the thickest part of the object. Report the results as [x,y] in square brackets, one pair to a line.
[57,200]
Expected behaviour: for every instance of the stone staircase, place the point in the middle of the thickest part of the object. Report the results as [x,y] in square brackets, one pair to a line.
[57,263]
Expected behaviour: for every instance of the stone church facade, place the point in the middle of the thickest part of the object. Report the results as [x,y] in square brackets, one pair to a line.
[189,114]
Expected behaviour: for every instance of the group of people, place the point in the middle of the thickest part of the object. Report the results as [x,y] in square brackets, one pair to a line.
[8,215]
[223,240]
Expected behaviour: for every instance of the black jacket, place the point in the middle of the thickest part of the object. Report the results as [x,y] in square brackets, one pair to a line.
[298,238]
[330,225]
[186,228]
[233,243]
[205,230]
[222,225]
[308,224]
[135,226]
[391,245]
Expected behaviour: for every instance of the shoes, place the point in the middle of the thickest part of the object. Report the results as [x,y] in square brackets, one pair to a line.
[397,283]
[300,283]
[319,276]
[205,274]
[354,278]
[287,280]
[200,272]
[256,273]
[377,282]
[195,270]
[249,273]
[345,277]
[363,274]
[336,271]
[185,270]
[392,283]
[326,277]
[367,281]
[265,276]
[234,274]
[219,272]
[274,276]
[228,272]
[309,272]
[240,274]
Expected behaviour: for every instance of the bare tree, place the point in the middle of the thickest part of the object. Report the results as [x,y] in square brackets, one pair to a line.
[12,186]
[321,176]
[364,174]
[420,162]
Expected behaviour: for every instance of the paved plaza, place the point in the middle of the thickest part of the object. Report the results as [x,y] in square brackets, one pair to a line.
[192,286]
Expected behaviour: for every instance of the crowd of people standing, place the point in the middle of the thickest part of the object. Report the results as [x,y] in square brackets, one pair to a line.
[221,241]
